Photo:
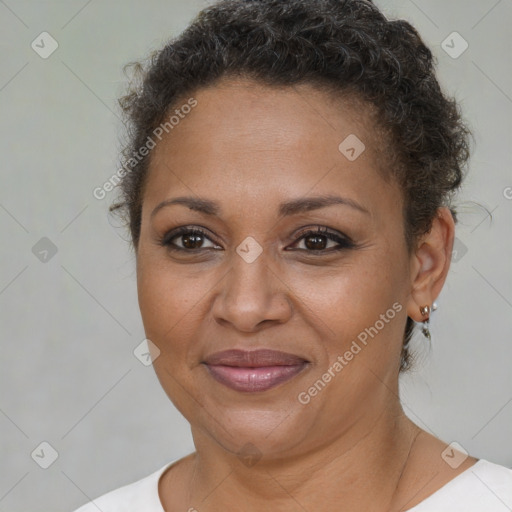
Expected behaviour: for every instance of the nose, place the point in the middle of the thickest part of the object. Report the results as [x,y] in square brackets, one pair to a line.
[252,296]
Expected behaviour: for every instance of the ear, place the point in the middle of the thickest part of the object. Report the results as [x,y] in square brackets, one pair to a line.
[430,263]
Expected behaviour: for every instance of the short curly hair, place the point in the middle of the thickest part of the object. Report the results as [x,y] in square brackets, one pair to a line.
[343,46]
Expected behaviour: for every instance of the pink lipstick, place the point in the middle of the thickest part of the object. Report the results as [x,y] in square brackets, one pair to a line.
[254,371]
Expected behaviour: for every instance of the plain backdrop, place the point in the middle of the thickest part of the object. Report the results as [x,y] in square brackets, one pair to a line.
[69,317]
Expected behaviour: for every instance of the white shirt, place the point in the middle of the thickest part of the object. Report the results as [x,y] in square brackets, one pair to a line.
[484,487]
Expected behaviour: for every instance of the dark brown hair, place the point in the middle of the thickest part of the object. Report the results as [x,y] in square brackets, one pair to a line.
[347,46]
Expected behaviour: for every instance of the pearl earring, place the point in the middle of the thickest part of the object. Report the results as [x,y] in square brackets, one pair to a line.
[425,312]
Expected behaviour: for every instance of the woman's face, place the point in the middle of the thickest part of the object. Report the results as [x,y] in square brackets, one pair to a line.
[261,160]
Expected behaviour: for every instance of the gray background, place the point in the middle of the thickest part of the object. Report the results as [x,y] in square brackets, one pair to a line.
[69,325]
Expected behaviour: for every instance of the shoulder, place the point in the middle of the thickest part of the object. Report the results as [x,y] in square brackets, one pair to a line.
[483,487]
[139,495]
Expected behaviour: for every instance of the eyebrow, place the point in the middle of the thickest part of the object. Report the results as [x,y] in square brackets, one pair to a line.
[288,208]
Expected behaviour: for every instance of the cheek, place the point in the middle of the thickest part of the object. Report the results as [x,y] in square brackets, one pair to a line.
[168,302]
[170,306]
[363,302]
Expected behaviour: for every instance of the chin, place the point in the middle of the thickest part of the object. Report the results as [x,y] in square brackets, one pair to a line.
[265,432]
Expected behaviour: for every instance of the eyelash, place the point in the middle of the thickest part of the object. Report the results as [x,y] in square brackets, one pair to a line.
[343,241]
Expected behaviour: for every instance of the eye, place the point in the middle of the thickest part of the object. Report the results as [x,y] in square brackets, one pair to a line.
[315,241]
[318,241]
[192,239]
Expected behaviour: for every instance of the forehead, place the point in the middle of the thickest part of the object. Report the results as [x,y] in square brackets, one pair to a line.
[262,141]
[273,117]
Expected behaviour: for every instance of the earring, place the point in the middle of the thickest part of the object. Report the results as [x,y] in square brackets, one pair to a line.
[425,312]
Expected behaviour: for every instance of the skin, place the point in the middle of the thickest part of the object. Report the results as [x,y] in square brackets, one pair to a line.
[249,148]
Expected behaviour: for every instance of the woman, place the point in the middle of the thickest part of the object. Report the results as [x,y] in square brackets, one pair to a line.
[288,187]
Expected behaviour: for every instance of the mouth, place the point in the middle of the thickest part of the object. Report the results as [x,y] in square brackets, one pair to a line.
[254,371]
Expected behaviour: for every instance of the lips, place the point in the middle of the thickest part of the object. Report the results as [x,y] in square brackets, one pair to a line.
[254,359]
[253,371]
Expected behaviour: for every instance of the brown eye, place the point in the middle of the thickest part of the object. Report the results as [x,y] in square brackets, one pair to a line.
[316,242]
[319,240]
[191,240]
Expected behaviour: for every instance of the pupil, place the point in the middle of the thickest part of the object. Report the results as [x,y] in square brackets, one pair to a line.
[194,241]
[318,242]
